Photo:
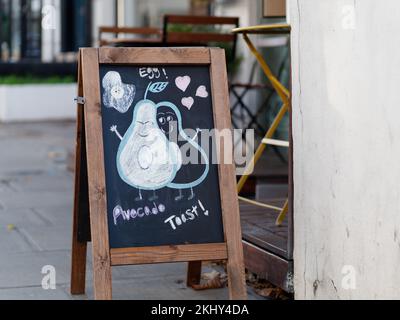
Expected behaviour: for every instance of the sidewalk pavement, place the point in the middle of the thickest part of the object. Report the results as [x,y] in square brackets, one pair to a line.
[36,199]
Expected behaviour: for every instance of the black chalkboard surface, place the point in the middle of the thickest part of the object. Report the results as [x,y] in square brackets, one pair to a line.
[144,110]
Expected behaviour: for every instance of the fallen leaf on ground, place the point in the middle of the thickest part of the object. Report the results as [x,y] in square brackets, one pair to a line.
[213,280]
[216,283]
[266,292]
[210,275]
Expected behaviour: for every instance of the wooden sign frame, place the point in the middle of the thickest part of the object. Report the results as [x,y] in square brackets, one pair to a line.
[90,210]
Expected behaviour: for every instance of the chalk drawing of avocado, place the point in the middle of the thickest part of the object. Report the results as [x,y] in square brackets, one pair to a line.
[146,159]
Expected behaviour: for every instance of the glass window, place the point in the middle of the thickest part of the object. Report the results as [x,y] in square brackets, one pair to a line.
[5,29]
[31,29]
[15,29]
[20,32]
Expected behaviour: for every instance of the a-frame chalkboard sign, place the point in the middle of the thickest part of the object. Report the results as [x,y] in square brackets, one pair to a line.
[136,200]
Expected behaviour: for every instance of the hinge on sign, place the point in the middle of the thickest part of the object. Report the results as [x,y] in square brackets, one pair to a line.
[80,100]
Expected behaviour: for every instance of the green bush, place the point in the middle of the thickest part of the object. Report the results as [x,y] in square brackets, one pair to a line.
[30,79]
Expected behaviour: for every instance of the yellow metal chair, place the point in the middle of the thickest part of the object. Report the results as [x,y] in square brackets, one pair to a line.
[283,93]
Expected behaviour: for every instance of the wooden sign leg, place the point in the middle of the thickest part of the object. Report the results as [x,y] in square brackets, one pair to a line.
[79,246]
[236,272]
[235,264]
[229,202]
[78,270]
[79,242]
[96,174]
[193,273]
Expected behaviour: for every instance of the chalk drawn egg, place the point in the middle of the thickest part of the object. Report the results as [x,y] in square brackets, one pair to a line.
[117,92]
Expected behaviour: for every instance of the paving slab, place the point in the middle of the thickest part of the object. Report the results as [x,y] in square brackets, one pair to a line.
[11,240]
[54,181]
[19,270]
[56,215]
[177,270]
[48,238]
[33,293]
[20,218]
[5,184]
[33,199]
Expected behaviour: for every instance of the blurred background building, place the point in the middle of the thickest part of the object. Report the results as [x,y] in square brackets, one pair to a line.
[52,31]
[48,30]
[40,38]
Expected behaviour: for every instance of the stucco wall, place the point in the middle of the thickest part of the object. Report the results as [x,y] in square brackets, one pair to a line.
[346,110]
[37,102]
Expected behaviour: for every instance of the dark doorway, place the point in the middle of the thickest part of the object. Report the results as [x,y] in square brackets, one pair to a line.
[31,29]
[76,24]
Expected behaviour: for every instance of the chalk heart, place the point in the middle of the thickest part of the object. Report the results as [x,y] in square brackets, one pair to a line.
[188,102]
[183,82]
[202,92]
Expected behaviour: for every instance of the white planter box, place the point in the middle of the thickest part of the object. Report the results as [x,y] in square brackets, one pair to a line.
[35,102]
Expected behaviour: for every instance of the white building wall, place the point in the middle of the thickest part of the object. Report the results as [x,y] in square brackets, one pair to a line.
[246,10]
[134,13]
[131,16]
[51,29]
[346,73]
[151,12]
[103,15]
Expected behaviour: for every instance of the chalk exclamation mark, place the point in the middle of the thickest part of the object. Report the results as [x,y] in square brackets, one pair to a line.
[206,213]
[165,73]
